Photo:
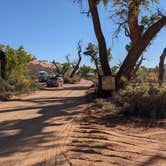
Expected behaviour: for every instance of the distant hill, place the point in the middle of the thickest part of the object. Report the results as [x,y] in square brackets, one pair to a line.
[42,65]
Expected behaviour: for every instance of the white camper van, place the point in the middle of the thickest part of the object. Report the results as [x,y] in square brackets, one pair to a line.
[43,76]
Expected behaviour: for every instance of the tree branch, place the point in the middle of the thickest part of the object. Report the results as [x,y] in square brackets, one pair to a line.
[154,29]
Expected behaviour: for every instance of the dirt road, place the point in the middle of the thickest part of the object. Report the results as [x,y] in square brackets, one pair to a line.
[46,129]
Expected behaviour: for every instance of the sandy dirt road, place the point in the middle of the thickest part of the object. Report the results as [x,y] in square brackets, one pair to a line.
[46,129]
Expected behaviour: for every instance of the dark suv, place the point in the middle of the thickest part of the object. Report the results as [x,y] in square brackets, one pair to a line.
[55,81]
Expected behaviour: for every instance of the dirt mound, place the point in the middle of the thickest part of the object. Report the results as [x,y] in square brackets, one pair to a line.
[37,65]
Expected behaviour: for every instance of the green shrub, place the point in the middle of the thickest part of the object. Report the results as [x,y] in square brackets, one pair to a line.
[143,100]
[73,80]
[14,86]
[5,87]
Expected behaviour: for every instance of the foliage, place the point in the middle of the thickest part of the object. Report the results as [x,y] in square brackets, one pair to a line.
[123,7]
[85,71]
[92,51]
[65,71]
[72,80]
[18,77]
[145,74]
[142,100]
[140,26]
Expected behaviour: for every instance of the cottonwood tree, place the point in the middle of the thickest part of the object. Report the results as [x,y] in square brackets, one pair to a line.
[100,37]
[93,11]
[14,62]
[140,28]
[93,52]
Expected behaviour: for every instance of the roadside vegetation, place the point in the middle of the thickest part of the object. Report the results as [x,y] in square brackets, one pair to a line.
[15,77]
[141,104]
[139,91]
[143,97]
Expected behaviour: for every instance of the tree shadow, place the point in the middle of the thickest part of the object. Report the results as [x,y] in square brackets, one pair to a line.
[152,160]
[90,140]
[30,131]
[115,120]
[48,100]
[64,88]
[96,114]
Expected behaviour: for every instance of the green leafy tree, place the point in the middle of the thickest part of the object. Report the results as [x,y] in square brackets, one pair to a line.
[92,51]
[17,61]
[17,76]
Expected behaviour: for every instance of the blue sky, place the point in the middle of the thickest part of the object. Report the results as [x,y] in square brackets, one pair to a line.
[50,29]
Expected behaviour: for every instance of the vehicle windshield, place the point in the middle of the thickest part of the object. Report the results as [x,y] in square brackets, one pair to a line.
[54,78]
[42,74]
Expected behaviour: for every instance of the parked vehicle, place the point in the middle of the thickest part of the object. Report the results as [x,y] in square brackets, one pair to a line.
[43,76]
[55,81]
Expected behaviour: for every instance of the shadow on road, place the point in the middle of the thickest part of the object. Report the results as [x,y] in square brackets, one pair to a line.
[30,130]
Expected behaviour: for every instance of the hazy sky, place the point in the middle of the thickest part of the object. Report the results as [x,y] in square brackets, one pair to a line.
[50,29]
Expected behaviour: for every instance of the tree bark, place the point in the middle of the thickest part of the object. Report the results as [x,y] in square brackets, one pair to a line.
[134,28]
[57,67]
[100,37]
[137,49]
[136,68]
[99,76]
[79,61]
[3,64]
[161,67]
[64,70]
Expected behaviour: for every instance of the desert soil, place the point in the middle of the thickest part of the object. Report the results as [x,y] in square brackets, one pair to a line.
[46,128]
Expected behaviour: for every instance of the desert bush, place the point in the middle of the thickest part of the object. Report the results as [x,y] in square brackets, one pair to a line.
[14,86]
[143,101]
[102,108]
[73,80]
[4,89]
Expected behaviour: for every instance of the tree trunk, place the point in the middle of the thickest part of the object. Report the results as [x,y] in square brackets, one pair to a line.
[100,38]
[99,77]
[3,64]
[137,49]
[130,61]
[57,67]
[136,68]
[161,67]
[64,70]
[79,61]
[75,68]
